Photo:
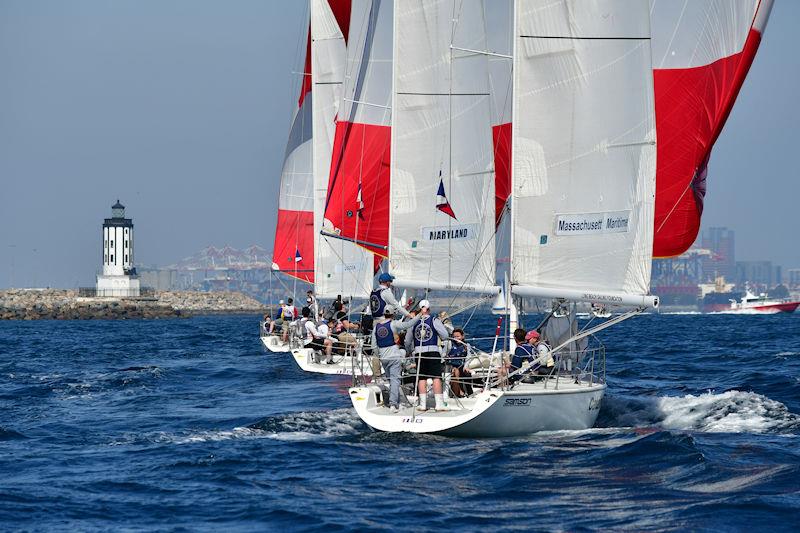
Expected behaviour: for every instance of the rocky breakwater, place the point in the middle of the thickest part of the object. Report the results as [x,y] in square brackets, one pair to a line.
[38,304]
[205,303]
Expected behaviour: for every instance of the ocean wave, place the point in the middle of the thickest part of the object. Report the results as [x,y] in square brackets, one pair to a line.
[10,434]
[302,426]
[311,425]
[728,412]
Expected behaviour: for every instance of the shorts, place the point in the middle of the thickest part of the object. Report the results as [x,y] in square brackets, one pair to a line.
[430,364]
[316,344]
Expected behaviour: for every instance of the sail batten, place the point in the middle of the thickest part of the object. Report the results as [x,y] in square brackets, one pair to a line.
[583,149]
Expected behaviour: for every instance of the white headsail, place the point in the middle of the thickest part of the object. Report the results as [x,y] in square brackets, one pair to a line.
[583,151]
[341,267]
[442,176]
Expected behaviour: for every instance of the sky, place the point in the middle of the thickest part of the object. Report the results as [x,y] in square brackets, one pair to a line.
[180,109]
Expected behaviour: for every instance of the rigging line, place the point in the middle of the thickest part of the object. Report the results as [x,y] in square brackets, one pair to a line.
[480,52]
[674,33]
[678,201]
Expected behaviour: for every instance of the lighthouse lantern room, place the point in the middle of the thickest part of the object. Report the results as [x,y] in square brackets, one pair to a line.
[119,275]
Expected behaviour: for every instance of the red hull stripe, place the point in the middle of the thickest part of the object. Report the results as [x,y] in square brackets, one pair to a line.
[692,105]
[360,152]
[501,138]
[787,307]
[295,232]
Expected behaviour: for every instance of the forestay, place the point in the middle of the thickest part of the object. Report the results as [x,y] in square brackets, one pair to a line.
[442,176]
[702,51]
[357,204]
[583,151]
[341,267]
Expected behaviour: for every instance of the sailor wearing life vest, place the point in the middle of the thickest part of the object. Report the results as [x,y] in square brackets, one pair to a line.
[424,342]
[391,355]
[383,296]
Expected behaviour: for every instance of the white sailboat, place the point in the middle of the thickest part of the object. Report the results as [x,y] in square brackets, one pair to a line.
[341,268]
[583,179]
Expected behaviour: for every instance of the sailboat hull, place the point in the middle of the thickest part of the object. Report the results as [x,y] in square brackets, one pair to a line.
[342,365]
[273,343]
[528,408]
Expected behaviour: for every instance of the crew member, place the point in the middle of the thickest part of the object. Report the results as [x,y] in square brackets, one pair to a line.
[383,296]
[424,342]
[391,355]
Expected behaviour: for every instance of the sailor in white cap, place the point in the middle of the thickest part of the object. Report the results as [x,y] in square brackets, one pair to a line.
[424,342]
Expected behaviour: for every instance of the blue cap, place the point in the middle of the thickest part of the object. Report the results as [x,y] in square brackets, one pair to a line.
[385,277]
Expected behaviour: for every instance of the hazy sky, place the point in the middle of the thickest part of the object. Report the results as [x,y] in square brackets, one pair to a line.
[180,108]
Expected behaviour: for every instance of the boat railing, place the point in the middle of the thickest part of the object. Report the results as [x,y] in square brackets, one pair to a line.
[586,366]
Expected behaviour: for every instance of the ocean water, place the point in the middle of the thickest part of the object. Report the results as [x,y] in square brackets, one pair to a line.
[191,425]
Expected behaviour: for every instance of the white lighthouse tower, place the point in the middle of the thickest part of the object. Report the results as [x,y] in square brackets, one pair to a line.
[119,275]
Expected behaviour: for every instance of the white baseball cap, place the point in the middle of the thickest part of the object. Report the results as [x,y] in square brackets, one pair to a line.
[281,302]
[424,303]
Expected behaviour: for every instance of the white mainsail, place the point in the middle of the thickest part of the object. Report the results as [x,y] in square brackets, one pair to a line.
[442,177]
[341,267]
[583,151]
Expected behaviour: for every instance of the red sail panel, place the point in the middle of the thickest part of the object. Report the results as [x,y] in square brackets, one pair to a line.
[293,254]
[692,105]
[501,137]
[358,192]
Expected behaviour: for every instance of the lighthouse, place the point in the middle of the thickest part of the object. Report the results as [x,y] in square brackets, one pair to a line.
[119,275]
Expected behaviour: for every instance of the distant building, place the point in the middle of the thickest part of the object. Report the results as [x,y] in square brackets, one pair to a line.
[758,274]
[675,280]
[119,275]
[722,261]
[793,277]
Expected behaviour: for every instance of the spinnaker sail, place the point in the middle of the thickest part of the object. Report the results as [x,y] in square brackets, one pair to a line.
[293,252]
[357,203]
[702,52]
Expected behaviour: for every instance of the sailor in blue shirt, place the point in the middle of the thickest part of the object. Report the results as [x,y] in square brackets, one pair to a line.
[523,352]
[391,355]
[383,296]
[424,342]
[456,357]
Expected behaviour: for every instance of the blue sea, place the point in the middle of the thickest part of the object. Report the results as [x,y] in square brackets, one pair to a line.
[189,424]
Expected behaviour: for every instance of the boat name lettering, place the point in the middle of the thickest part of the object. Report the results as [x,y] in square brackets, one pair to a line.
[601,297]
[516,402]
[449,233]
[412,421]
[593,223]
[346,267]
[594,404]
